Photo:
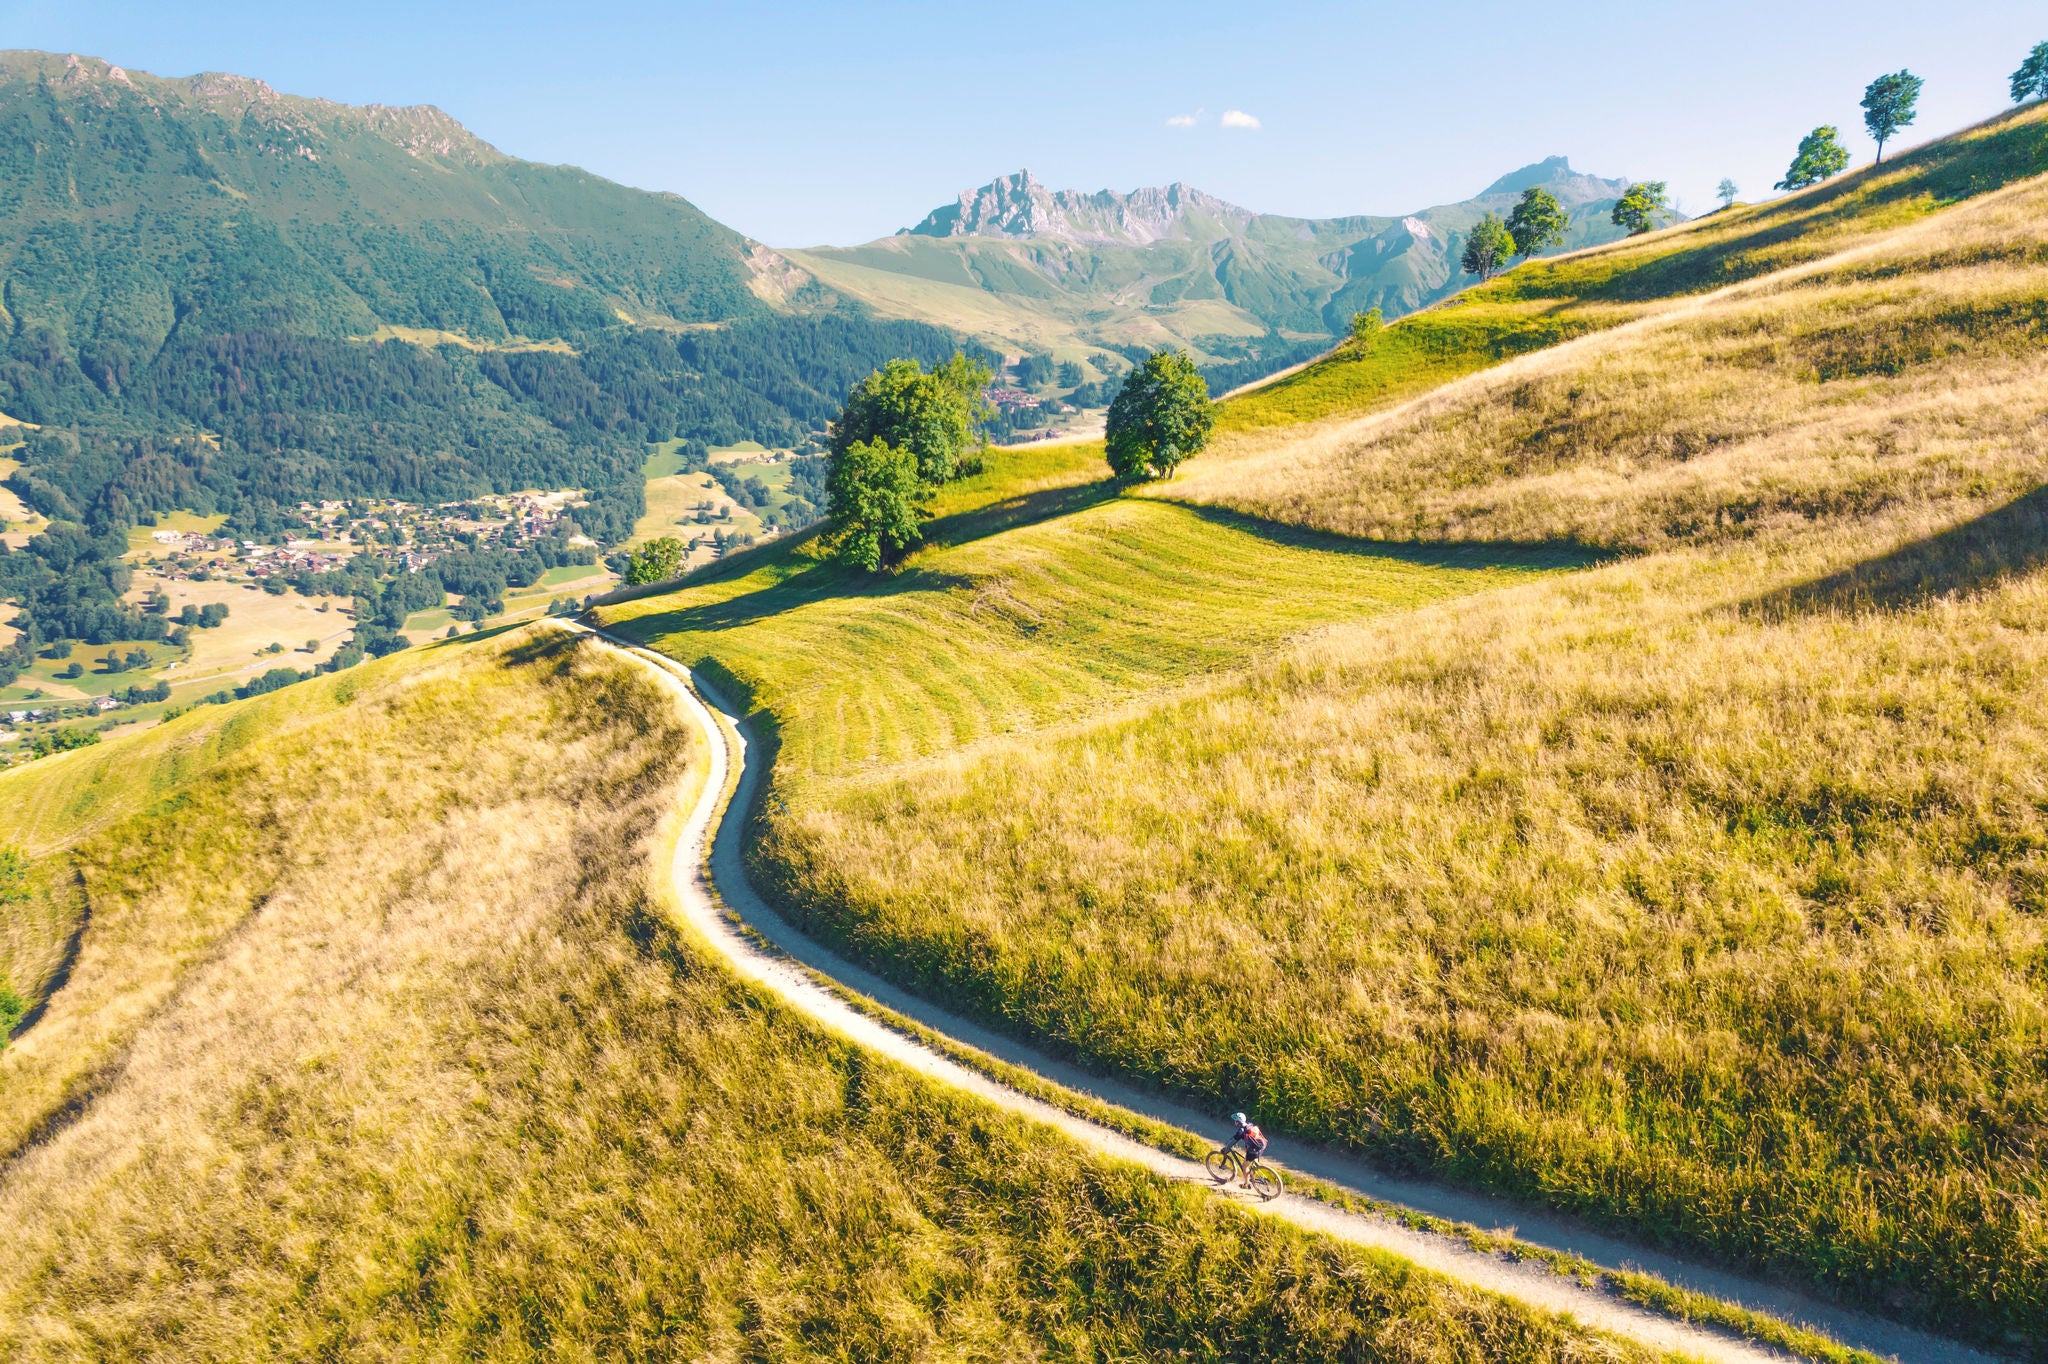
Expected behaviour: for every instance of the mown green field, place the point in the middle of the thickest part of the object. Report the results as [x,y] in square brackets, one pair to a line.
[371,1056]
[1698,892]
[990,633]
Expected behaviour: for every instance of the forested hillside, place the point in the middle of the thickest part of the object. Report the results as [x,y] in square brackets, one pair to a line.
[217,297]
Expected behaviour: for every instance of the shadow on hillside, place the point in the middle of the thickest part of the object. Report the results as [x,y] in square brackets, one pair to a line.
[1465,554]
[812,585]
[1980,553]
[994,518]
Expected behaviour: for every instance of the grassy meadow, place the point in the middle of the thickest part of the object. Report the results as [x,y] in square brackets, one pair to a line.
[1544,302]
[381,1043]
[1699,892]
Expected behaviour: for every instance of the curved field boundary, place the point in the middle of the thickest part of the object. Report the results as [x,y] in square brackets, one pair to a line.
[711,885]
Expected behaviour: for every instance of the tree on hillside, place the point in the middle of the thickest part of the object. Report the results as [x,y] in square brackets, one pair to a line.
[1159,417]
[933,415]
[1821,154]
[1638,207]
[656,561]
[1726,192]
[1888,105]
[1365,326]
[1537,222]
[878,504]
[1488,249]
[2030,82]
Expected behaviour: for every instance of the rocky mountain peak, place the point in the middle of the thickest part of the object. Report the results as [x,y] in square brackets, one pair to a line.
[1019,206]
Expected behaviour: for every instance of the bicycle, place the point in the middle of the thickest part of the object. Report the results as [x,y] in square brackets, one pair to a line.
[1226,1163]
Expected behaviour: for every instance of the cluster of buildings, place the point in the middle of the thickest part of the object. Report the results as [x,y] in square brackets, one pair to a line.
[1010,399]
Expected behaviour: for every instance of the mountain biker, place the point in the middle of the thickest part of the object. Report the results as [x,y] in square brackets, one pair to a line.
[1246,1132]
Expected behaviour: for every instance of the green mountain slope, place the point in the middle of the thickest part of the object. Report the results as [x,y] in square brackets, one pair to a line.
[1066,272]
[218,295]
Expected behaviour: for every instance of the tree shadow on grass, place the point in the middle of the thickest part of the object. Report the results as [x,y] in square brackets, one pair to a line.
[1978,554]
[1527,555]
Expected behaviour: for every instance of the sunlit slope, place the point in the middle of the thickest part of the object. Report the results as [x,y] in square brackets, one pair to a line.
[1700,892]
[1544,302]
[49,807]
[447,1084]
[1900,373]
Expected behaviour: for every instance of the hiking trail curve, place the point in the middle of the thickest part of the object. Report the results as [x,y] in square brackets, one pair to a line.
[723,907]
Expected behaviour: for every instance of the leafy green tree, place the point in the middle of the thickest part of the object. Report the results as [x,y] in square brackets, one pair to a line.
[2030,82]
[1537,222]
[1726,192]
[1821,154]
[1488,249]
[933,415]
[1159,417]
[1638,207]
[878,504]
[1366,325]
[1889,105]
[657,561]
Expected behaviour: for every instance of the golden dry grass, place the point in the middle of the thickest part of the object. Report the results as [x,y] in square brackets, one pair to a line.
[441,1081]
[1900,373]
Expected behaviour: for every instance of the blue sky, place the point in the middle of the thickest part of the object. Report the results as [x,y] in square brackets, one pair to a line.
[806,123]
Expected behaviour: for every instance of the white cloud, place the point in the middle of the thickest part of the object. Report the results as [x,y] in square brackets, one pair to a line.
[1185,120]
[1238,118]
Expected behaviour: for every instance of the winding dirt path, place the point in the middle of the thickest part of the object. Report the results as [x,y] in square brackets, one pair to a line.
[714,892]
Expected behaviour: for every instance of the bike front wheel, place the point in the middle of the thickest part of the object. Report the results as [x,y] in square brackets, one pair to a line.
[1221,1165]
[1265,1182]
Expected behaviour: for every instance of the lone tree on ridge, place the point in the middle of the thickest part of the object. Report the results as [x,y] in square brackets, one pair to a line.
[1821,154]
[1489,249]
[1159,417]
[1639,205]
[1537,222]
[2030,82]
[1888,105]
[1726,192]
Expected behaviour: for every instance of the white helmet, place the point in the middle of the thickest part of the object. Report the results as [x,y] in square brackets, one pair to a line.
[1237,1117]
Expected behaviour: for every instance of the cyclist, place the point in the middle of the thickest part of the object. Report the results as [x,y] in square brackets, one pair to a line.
[1245,1132]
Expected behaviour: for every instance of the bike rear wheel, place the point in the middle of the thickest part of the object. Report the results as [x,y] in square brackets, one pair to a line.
[1265,1182]
[1221,1165]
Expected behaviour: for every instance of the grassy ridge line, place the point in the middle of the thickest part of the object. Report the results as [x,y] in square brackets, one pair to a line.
[1879,377]
[1554,299]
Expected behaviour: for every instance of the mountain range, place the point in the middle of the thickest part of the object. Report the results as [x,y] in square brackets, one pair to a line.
[221,297]
[217,296]
[1055,269]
